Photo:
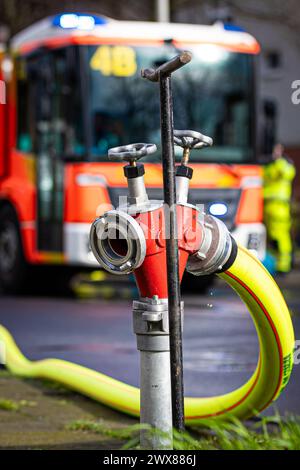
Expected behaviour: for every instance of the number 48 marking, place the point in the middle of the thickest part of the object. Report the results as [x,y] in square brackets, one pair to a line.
[119,61]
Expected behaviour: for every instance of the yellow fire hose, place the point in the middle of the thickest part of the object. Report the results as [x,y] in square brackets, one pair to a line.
[272,320]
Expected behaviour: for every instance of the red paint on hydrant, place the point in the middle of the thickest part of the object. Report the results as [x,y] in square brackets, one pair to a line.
[151,277]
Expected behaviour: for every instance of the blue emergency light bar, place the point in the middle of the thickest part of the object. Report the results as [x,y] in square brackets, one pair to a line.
[82,21]
[233,27]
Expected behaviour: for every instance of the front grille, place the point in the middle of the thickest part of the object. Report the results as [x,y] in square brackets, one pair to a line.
[231,197]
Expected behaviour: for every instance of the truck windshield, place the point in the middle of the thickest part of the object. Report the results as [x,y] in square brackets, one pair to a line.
[213,95]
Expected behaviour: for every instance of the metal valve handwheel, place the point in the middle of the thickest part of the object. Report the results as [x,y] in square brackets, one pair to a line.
[131,153]
[192,140]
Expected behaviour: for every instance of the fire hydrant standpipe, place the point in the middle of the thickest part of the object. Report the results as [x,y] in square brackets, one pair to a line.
[163,76]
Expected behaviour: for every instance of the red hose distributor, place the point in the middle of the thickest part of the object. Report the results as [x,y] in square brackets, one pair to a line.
[151,276]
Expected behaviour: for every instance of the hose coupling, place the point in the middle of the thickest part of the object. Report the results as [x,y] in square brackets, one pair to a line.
[218,250]
[118,242]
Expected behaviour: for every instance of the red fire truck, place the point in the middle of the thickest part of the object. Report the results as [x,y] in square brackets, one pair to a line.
[73,90]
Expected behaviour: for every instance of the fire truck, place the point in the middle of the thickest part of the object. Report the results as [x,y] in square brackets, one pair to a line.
[73,90]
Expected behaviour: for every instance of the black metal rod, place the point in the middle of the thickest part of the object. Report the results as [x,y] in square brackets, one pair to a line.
[174,298]
[168,67]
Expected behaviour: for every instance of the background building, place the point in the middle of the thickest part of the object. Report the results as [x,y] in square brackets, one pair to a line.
[276,26]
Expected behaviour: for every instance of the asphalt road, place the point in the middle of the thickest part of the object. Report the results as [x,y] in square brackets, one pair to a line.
[220,344]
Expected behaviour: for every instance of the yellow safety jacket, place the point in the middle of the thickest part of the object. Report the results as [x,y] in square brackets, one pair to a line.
[278,178]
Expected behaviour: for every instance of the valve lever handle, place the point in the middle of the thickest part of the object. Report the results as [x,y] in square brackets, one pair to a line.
[192,140]
[131,153]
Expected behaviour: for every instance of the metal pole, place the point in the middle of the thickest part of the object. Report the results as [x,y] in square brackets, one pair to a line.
[163,75]
[168,161]
[151,326]
[163,11]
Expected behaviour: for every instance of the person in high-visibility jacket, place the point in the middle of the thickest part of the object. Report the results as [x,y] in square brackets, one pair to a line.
[278,181]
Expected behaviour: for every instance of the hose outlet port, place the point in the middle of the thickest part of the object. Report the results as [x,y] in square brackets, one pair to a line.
[118,242]
[217,252]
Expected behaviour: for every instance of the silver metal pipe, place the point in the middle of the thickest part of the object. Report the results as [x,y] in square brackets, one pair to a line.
[151,326]
[163,11]
[182,189]
[137,191]
[156,405]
